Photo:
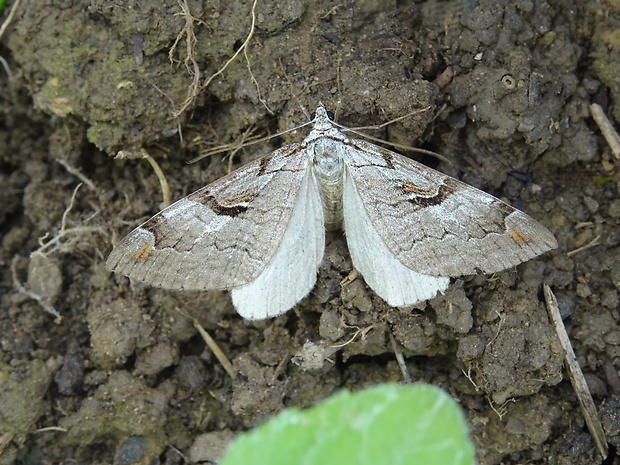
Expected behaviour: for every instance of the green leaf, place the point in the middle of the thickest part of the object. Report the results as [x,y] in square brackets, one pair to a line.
[388,424]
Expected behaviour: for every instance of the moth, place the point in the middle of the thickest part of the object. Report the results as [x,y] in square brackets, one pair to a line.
[259,232]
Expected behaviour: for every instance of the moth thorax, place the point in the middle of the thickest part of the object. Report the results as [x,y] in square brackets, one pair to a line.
[329,169]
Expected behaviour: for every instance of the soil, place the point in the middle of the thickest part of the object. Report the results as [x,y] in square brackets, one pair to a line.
[502,89]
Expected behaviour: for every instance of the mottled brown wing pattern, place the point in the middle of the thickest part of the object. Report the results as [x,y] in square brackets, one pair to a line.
[221,236]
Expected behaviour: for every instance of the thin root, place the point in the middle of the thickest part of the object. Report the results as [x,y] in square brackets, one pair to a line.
[194,69]
[77,173]
[241,49]
[143,154]
[36,297]
[260,97]
[64,231]
[190,62]
[9,18]
[359,332]
[502,409]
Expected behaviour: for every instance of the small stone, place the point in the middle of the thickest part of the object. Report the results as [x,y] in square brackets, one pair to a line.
[355,295]
[131,451]
[614,208]
[44,277]
[591,204]
[154,359]
[583,290]
[210,447]
[70,376]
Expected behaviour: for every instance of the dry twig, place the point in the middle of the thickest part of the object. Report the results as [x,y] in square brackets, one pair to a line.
[398,353]
[607,129]
[219,354]
[593,243]
[576,375]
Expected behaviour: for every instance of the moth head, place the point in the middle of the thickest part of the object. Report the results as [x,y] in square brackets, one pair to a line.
[321,113]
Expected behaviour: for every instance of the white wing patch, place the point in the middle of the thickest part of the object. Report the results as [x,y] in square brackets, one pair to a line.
[383,272]
[260,231]
[291,274]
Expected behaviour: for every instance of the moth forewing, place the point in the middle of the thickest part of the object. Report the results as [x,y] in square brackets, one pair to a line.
[221,236]
[437,225]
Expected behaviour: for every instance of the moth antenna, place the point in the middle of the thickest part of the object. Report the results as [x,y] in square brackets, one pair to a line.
[357,132]
[398,146]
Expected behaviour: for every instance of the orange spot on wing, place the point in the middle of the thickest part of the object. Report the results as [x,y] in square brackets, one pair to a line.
[518,236]
[409,188]
[247,198]
[143,254]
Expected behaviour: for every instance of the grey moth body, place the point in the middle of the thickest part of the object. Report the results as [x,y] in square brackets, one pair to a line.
[259,232]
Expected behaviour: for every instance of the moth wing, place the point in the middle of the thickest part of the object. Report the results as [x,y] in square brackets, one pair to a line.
[434,224]
[395,283]
[292,272]
[221,236]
